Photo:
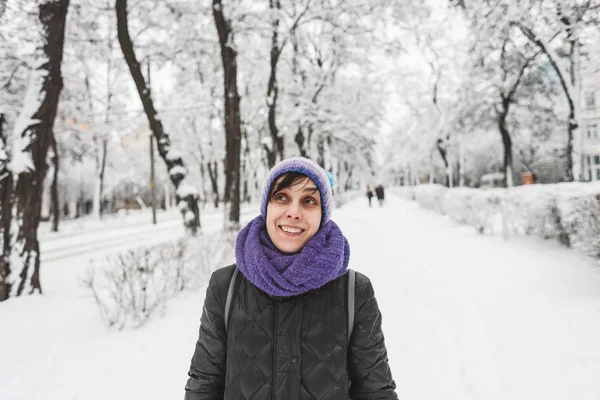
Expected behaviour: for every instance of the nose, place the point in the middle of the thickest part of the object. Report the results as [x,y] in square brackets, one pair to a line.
[293,211]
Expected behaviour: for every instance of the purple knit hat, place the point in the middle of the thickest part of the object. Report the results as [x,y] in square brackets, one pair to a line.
[322,179]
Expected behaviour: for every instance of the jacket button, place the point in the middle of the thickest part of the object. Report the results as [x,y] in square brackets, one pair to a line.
[294,359]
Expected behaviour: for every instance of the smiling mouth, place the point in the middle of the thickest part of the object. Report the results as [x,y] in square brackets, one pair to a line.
[291,231]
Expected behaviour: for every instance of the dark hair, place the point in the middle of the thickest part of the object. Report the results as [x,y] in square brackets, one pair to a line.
[288,180]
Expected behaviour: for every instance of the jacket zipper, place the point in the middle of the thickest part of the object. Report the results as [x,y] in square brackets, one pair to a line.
[275,348]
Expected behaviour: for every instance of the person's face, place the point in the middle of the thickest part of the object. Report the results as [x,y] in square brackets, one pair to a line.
[294,215]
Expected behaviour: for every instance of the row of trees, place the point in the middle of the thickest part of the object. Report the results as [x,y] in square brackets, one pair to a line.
[228,88]
[512,70]
[294,78]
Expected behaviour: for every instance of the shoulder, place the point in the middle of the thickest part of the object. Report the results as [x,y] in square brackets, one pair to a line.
[219,281]
[362,282]
[364,288]
[223,274]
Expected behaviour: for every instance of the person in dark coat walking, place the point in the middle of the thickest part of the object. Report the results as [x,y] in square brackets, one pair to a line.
[369,194]
[380,194]
[286,334]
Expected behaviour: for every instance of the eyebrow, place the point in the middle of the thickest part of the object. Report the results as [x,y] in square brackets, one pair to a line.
[310,189]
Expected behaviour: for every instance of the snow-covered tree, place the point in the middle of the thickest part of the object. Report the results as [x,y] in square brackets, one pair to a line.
[187,194]
[556,29]
[26,162]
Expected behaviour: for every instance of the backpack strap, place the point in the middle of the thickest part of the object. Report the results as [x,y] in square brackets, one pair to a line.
[230,296]
[351,290]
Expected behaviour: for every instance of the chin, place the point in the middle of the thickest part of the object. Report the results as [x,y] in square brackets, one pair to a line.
[288,248]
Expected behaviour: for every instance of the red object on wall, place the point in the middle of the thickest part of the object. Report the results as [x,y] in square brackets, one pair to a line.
[527,178]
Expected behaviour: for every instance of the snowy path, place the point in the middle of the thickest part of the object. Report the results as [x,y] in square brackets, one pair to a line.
[465,317]
[474,317]
[117,235]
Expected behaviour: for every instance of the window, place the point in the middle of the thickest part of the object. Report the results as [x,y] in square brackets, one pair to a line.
[593,169]
[590,101]
[592,131]
[589,160]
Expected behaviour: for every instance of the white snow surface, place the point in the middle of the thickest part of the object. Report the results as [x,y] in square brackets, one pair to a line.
[465,316]
[184,190]
[178,169]
[23,136]
[174,154]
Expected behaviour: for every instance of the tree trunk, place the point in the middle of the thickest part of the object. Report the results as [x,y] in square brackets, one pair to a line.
[569,148]
[202,158]
[506,99]
[186,195]
[6,215]
[212,173]
[55,202]
[233,132]
[329,153]
[506,142]
[321,151]
[349,171]
[203,177]
[31,140]
[299,139]
[245,195]
[99,185]
[6,182]
[570,94]
[272,90]
[245,168]
[101,175]
[574,167]
[444,154]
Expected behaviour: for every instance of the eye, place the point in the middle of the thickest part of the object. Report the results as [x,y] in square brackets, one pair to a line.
[311,201]
[279,197]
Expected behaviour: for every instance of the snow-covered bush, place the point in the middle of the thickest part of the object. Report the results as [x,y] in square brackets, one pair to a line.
[430,196]
[533,210]
[566,212]
[473,207]
[131,287]
[581,220]
[458,204]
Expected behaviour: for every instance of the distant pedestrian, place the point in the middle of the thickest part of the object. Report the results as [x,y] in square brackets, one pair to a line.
[369,194]
[380,194]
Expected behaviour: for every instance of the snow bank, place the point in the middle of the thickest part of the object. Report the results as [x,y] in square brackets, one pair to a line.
[430,196]
[567,212]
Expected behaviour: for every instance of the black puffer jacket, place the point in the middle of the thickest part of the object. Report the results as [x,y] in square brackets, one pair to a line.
[291,348]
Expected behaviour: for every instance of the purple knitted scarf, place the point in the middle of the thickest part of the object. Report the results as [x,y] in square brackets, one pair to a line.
[323,259]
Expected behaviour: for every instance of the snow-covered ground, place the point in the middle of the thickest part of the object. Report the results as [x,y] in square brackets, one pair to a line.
[465,316]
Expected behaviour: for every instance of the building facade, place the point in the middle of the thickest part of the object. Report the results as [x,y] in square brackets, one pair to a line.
[590,115]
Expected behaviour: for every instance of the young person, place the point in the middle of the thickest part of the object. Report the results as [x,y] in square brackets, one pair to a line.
[286,332]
